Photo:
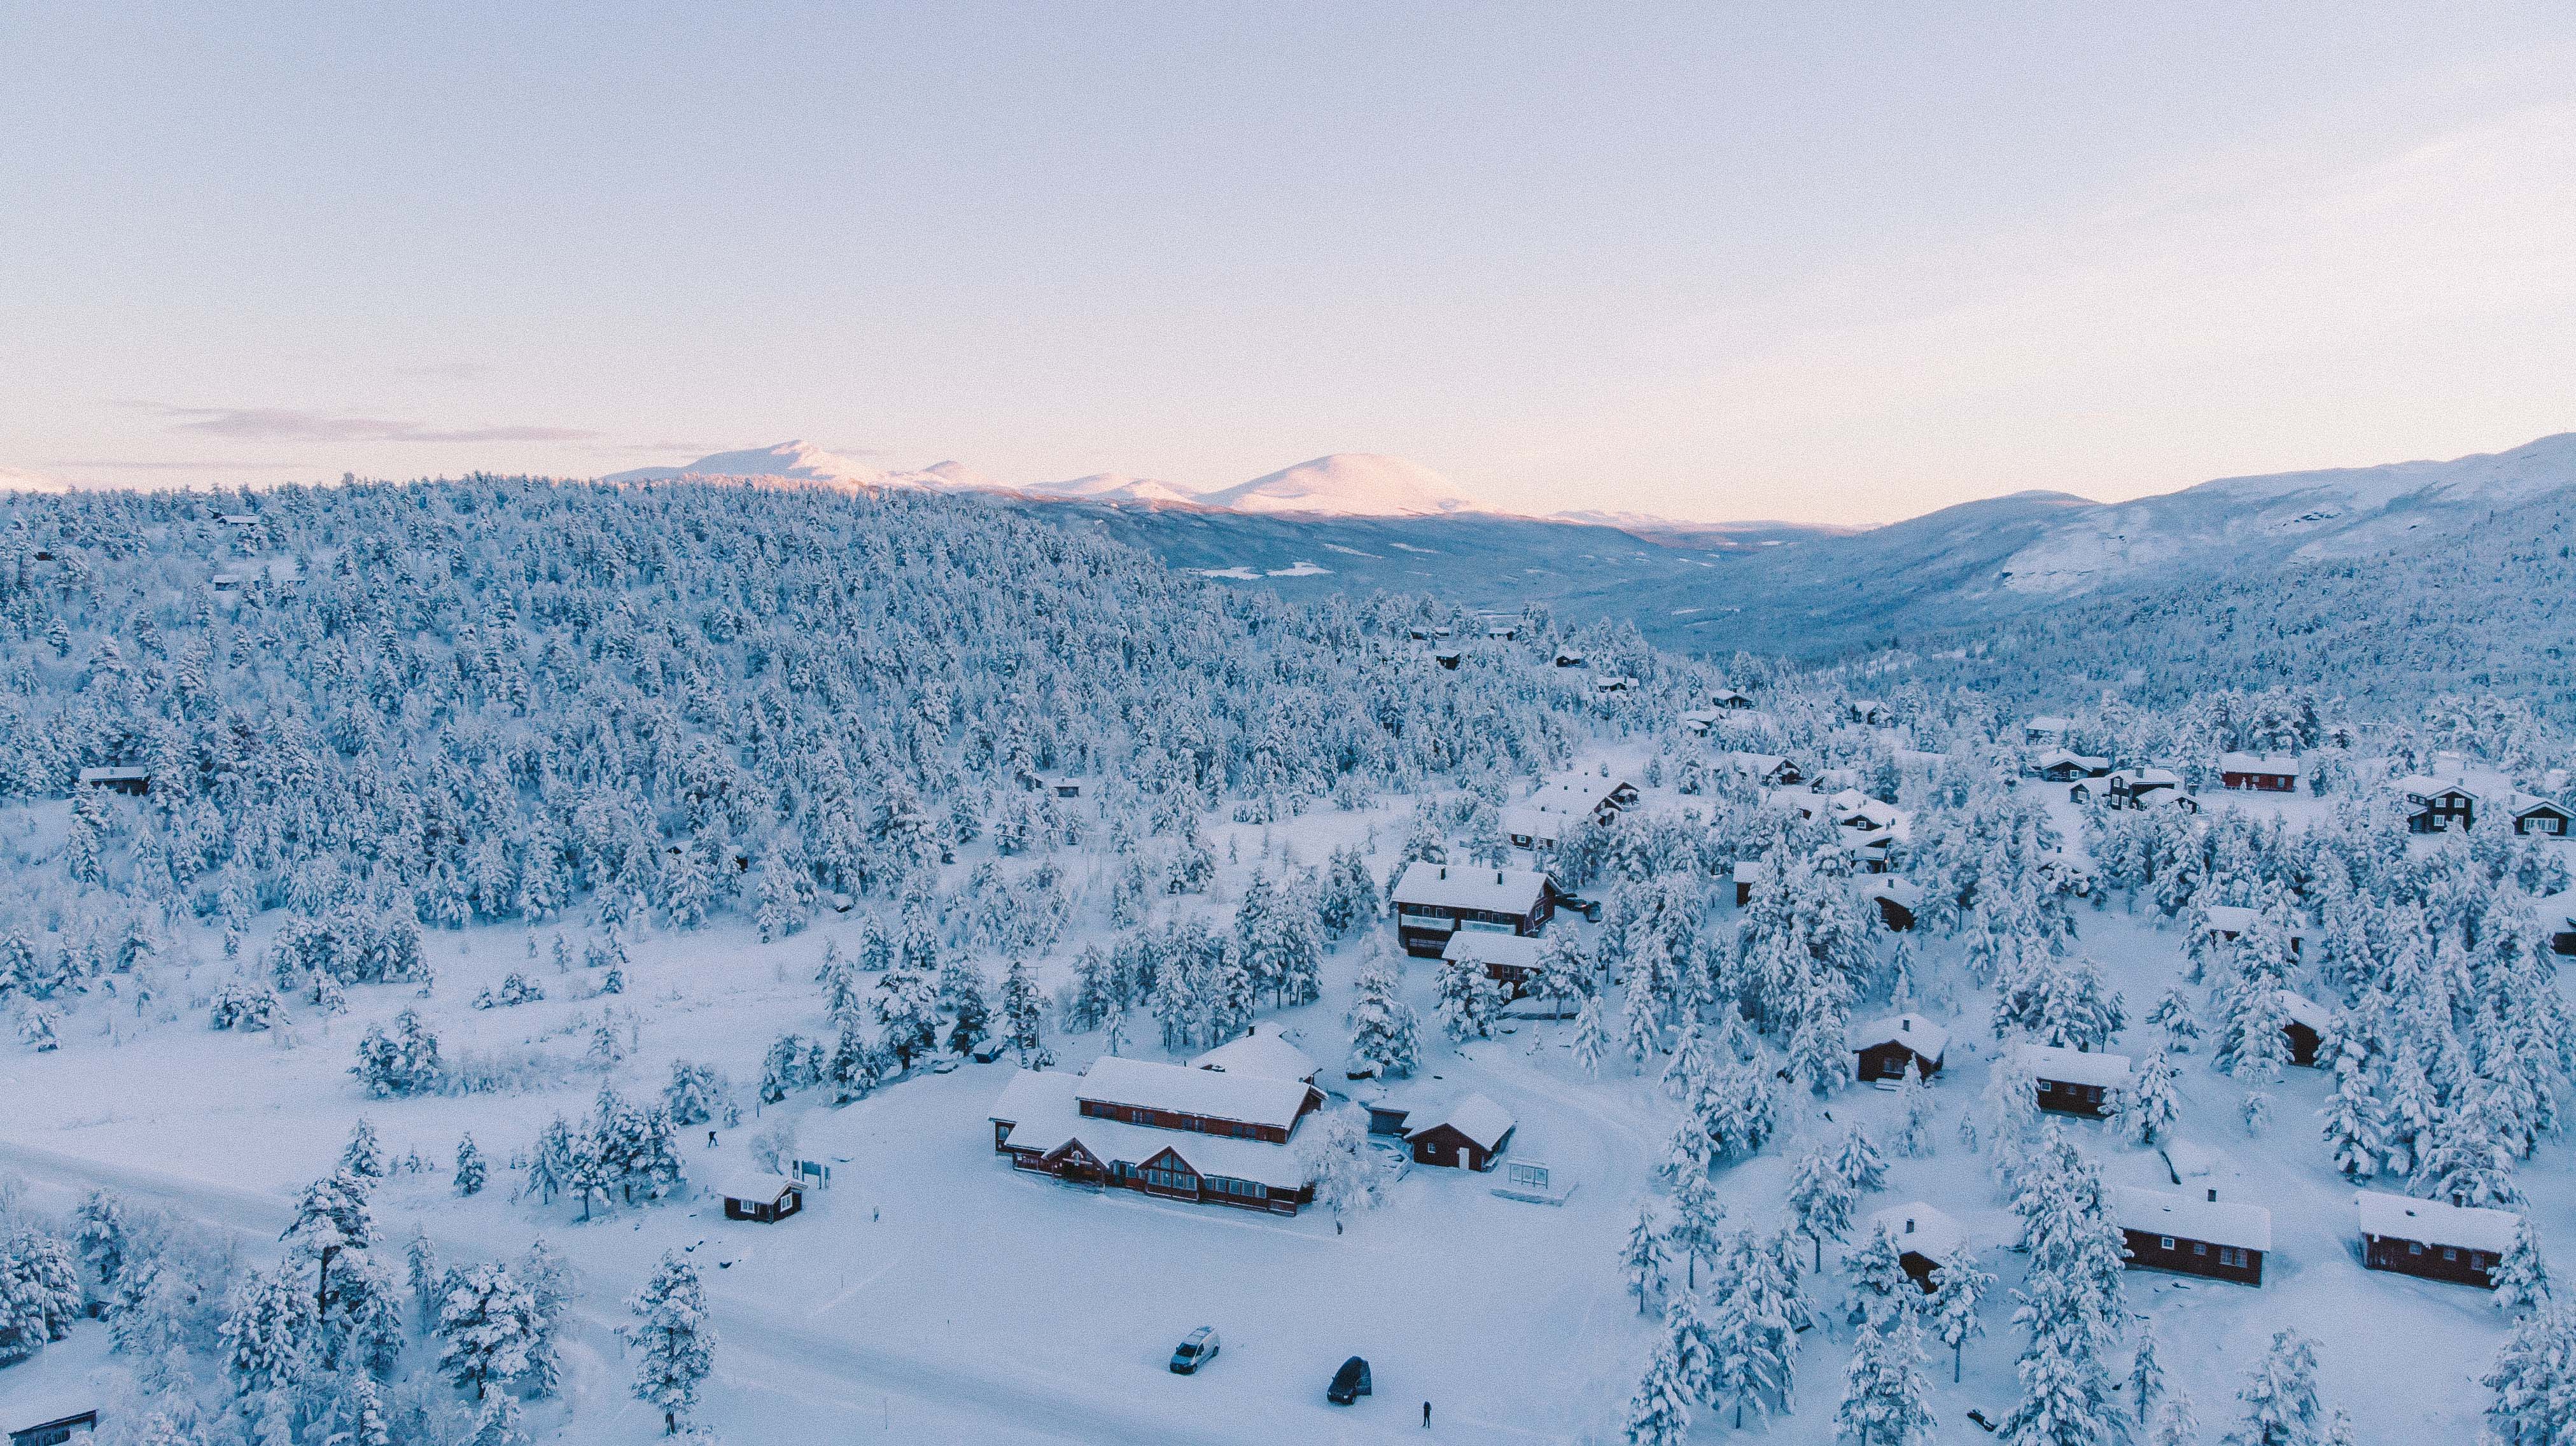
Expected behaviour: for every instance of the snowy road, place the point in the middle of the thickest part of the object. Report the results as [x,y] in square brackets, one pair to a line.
[792,1377]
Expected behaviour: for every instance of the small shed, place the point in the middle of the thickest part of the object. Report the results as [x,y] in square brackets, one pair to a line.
[1568,658]
[1924,1237]
[1898,902]
[1472,1133]
[1747,871]
[1886,1046]
[1387,1116]
[765,1198]
[2306,1026]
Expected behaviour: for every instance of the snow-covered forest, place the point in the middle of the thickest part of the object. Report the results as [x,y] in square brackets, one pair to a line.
[399,879]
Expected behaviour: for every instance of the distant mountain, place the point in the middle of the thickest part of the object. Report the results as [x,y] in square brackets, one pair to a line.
[1346,484]
[18,479]
[1674,532]
[1110,487]
[2346,512]
[790,462]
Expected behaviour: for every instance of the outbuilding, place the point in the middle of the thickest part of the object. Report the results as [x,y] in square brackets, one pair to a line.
[2432,1239]
[55,1430]
[2193,1236]
[1886,1046]
[2305,1028]
[1470,1134]
[1897,901]
[2538,817]
[131,778]
[765,1198]
[1510,960]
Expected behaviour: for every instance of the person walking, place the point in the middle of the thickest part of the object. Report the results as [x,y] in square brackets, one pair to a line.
[1426,1415]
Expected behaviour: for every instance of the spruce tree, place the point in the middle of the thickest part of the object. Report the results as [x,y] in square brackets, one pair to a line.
[469,1167]
[673,1340]
[1884,1393]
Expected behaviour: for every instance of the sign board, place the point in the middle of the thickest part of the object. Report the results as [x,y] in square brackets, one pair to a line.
[814,1172]
[1526,1176]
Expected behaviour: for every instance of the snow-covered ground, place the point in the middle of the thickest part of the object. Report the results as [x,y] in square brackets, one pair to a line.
[934,1294]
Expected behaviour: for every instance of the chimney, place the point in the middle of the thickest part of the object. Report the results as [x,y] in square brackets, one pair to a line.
[1905,1023]
[2213,1194]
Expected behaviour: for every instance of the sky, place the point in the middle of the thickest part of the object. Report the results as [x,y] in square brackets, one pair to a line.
[1821,263]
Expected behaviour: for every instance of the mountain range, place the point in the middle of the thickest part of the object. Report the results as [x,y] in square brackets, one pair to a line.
[1360,522]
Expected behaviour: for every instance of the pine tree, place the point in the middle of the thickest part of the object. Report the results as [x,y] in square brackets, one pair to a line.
[1659,1414]
[1384,1030]
[2175,1016]
[1641,1260]
[2176,1425]
[673,1340]
[486,1328]
[1467,1004]
[1858,1161]
[2521,1277]
[1697,1211]
[1959,1288]
[2355,1127]
[2281,1407]
[1641,1030]
[1821,1200]
[420,1260]
[1880,1287]
[2146,1372]
[1915,1139]
[2464,1164]
[1024,1017]
[469,1167]
[2152,1103]
[1591,1037]
[362,1156]
[1884,1394]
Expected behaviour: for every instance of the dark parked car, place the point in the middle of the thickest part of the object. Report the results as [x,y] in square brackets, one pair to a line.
[1195,1350]
[1349,1383]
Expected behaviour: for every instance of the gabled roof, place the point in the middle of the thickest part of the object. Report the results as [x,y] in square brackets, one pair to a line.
[2192,1217]
[1484,946]
[1470,886]
[2424,788]
[1538,825]
[1035,1093]
[2522,805]
[1919,1229]
[2048,723]
[2137,778]
[2303,1010]
[1258,1053]
[1915,1032]
[1902,893]
[115,773]
[1221,1095]
[2074,1066]
[2432,1222]
[2056,756]
[1476,1117]
[2258,763]
[1748,870]
[2232,918]
[763,1188]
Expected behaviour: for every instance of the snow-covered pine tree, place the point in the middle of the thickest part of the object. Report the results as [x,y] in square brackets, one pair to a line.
[2281,1406]
[2521,1278]
[673,1340]
[486,1328]
[1385,1034]
[1591,1037]
[470,1169]
[1659,1414]
[1641,1259]
[1958,1289]
[1024,1016]
[2146,1371]
[2152,1103]
[1885,1397]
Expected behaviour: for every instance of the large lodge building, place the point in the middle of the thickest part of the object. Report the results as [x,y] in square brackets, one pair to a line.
[1218,1136]
[1435,901]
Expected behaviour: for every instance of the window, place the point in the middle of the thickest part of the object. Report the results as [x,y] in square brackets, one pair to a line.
[2164,1242]
[2414,1247]
[2046,1088]
[2450,1254]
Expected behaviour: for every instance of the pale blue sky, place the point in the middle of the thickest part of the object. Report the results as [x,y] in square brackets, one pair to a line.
[1845,263]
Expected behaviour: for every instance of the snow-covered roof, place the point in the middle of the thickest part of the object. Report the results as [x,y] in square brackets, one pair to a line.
[1477,1117]
[1538,825]
[2423,787]
[1221,1095]
[2303,1010]
[1919,1229]
[2432,1222]
[2074,1066]
[2048,723]
[1468,886]
[1905,895]
[1117,1141]
[2056,756]
[2258,763]
[1747,870]
[1722,695]
[764,1188]
[1758,764]
[2232,918]
[2192,1217]
[2137,778]
[1915,1032]
[2519,804]
[1260,1053]
[1484,946]
[115,773]
[1035,1093]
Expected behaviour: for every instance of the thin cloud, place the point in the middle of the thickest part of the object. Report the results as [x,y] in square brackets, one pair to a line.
[124,464]
[454,371]
[272,424]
